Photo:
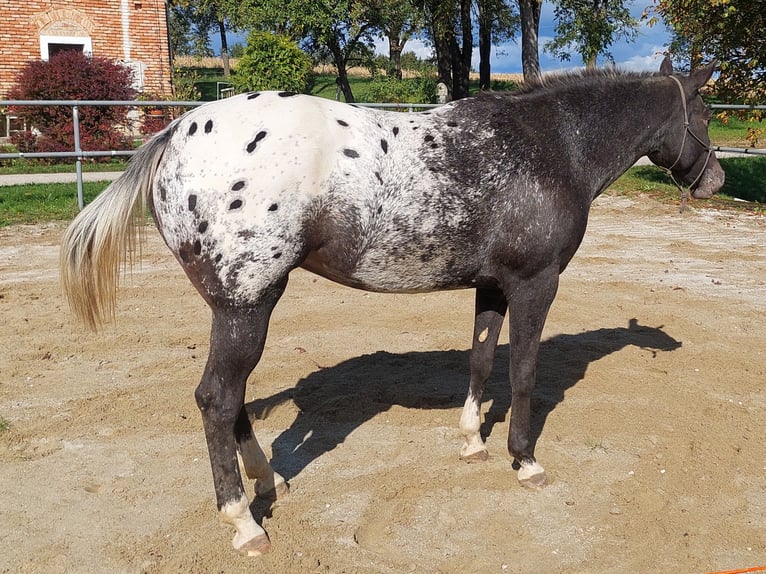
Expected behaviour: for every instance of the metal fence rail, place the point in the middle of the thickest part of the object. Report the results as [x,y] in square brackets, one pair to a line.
[79,154]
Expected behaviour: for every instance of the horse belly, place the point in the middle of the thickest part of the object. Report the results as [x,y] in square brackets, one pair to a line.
[395,268]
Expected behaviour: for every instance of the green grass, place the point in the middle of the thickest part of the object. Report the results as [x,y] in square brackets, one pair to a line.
[745,179]
[4,424]
[733,133]
[17,166]
[38,203]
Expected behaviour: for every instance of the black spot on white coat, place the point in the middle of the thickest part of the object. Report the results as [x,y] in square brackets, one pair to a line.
[258,138]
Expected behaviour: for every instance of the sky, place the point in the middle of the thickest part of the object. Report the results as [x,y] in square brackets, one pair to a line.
[644,53]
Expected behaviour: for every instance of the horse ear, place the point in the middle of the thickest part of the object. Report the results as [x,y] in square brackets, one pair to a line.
[666,68]
[700,77]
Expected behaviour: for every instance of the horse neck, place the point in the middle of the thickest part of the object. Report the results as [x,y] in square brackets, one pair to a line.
[608,130]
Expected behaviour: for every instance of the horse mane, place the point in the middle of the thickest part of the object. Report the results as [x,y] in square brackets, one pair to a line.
[557,80]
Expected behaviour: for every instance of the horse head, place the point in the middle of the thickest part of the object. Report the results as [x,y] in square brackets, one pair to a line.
[685,148]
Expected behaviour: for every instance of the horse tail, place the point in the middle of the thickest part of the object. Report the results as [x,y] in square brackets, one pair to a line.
[106,233]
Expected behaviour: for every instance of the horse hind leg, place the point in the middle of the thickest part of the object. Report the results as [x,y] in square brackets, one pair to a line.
[236,344]
[269,485]
[491,306]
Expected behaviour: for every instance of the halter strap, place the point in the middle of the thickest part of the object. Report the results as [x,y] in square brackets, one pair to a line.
[687,130]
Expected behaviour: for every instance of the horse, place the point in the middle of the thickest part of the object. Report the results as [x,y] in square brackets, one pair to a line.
[490,193]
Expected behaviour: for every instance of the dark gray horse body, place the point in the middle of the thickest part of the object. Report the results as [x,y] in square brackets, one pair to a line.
[490,193]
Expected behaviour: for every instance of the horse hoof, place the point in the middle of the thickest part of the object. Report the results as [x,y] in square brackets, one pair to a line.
[532,476]
[477,456]
[257,546]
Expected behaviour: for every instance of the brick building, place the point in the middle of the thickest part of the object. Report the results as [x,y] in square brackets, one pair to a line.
[131,31]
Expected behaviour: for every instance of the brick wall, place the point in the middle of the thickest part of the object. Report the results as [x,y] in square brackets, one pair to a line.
[131,30]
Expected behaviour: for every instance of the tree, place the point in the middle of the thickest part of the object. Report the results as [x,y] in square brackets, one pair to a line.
[273,62]
[529,11]
[189,29]
[450,26]
[590,27]
[191,24]
[497,22]
[730,31]
[345,28]
[399,21]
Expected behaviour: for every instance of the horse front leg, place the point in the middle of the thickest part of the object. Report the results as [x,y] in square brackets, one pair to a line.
[236,344]
[490,310]
[529,304]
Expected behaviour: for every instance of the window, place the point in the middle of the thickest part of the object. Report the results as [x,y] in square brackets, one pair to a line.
[52,45]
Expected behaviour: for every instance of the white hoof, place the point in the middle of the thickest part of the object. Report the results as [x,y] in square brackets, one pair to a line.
[257,546]
[532,475]
[474,453]
[250,539]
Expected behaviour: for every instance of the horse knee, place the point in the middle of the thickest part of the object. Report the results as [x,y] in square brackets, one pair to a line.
[213,402]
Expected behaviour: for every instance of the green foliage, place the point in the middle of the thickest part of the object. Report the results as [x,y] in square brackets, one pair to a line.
[184,85]
[343,29]
[730,31]
[273,62]
[590,27]
[410,90]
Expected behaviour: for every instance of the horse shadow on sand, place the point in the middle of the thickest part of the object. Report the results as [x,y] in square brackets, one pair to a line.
[334,401]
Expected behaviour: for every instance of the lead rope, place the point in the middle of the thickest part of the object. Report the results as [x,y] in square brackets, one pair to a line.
[668,170]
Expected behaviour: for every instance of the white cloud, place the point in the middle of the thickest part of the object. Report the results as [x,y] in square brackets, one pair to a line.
[647,60]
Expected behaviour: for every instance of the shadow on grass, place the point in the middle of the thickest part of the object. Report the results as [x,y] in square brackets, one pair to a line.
[745,178]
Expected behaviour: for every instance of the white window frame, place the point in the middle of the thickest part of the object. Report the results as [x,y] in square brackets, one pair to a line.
[84,41]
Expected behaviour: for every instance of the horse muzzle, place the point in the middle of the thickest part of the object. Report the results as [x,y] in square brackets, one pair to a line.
[711,181]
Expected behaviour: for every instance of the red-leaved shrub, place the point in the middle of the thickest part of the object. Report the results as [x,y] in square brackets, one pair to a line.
[71,75]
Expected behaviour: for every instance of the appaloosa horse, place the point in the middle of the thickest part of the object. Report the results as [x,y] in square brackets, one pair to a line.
[490,193]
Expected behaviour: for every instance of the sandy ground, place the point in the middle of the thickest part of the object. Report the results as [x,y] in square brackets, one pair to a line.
[651,417]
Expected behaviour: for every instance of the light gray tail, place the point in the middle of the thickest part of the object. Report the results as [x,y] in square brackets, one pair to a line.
[106,233]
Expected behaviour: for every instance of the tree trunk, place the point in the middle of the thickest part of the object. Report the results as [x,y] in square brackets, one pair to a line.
[444,34]
[343,84]
[461,54]
[485,45]
[224,49]
[395,47]
[530,24]
[340,64]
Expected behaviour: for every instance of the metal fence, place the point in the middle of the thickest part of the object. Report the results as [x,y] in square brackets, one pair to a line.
[79,154]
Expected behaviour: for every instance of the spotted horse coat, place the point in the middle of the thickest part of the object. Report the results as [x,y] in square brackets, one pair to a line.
[490,193]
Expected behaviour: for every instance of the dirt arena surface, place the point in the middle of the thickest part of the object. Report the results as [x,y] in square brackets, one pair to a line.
[651,417]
